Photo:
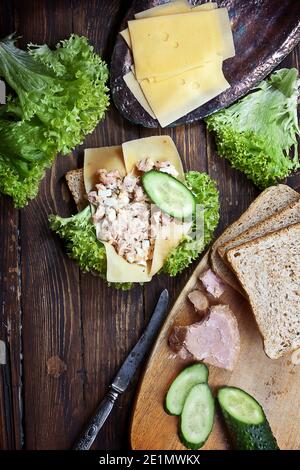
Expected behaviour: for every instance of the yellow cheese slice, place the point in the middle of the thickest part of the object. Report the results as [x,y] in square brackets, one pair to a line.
[175,97]
[119,270]
[126,36]
[137,92]
[110,158]
[158,148]
[172,8]
[168,45]
[162,247]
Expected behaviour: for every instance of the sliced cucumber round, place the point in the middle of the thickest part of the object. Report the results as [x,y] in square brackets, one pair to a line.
[169,194]
[197,417]
[245,420]
[181,386]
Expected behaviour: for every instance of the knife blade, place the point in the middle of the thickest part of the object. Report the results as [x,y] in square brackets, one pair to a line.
[124,375]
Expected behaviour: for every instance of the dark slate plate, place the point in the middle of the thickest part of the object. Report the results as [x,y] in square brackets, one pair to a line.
[264,31]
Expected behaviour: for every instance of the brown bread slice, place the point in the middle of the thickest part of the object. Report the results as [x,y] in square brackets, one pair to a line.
[287,216]
[268,268]
[269,202]
[75,183]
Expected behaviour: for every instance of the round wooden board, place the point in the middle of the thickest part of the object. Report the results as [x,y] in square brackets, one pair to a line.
[275,383]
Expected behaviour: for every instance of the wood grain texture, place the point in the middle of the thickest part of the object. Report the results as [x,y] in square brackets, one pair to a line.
[274,383]
[11,405]
[66,315]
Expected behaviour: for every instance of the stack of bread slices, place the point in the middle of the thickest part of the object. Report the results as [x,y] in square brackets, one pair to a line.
[259,255]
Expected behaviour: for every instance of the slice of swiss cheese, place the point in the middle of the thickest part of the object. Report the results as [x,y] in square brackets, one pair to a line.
[177,96]
[165,46]
[172,8]
[137,92]
[162,247]
[109,158]
[119,270]
[158,148]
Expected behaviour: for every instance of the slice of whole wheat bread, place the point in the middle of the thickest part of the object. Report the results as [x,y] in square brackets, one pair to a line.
[270,201]
[268,268]
[287,216]
[75,182]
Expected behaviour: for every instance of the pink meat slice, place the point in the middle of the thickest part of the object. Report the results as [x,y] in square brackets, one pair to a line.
[215,340]
[199,300]
[212,283]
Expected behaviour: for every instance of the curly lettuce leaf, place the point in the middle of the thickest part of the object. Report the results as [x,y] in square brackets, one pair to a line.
[25,153]
[64,88]
[60,96]
[258,134]
[207,196]
[82,245]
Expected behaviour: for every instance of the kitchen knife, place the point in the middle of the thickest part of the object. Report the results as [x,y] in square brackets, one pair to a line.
[125,374]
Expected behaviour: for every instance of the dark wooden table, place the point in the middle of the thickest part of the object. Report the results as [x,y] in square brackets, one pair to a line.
[66,332]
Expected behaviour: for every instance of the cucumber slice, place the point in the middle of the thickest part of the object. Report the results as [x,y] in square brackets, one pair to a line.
[169,194]
[181,386]
[246,421]
[197,417]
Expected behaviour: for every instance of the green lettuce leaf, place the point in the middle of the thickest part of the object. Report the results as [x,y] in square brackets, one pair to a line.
[65,88]
[207,196]
[60,96]
[258,134]
[25,153]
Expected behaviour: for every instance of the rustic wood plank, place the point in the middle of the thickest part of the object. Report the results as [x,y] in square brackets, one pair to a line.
[52,334]
[76,330]
[10,306]
[112,320]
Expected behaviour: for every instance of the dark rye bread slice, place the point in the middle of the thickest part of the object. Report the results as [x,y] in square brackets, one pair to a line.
[268,268]
[270,201]
[287,216]
[75,182]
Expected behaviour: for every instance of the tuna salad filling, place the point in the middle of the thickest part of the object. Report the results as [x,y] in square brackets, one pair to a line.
[123,214]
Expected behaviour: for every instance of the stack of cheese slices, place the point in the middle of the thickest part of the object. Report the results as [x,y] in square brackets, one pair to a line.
[178,53]
[259,255]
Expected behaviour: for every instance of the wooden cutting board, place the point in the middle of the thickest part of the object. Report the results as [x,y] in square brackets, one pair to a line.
[274,383]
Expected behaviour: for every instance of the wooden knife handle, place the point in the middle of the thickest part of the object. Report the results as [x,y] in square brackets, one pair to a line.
[89,435]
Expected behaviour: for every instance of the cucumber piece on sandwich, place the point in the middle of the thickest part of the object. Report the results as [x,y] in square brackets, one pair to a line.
[169,194]
[181,386]
[197,417]
[245,420]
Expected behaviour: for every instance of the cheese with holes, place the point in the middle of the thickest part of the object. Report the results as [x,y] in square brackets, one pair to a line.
[137,92]
[175,97]
[163,247]
[172,8]
[158,148]
[109,158]
[119,270]
[168,45]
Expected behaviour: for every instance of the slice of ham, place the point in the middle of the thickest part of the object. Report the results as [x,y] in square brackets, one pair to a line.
[212,283]
[215,340]
[199,300]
